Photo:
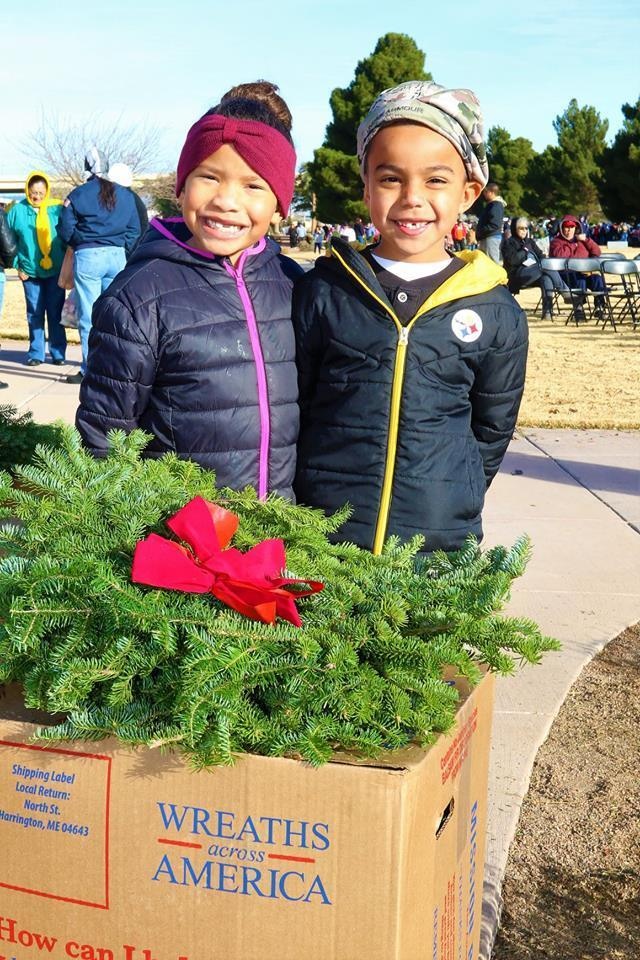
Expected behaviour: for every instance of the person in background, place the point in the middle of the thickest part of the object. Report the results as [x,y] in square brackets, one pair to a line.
[121,173]
[318,239]
[472,241]
[38,261]
[570,241]
[371,234]
[490,222]
[539,233]
[8,250]
[347,233]
[522,258]
[100,221]
[459,235]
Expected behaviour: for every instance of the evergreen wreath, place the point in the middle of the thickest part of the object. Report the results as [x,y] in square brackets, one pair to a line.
[160,667]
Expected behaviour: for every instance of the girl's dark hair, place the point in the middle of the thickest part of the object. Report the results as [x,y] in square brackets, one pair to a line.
[107,198]
[259,101]
[36,179]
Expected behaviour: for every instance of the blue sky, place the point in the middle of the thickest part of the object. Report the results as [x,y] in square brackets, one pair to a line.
[163,64]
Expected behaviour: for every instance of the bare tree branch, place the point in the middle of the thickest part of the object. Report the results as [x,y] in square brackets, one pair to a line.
[59,145]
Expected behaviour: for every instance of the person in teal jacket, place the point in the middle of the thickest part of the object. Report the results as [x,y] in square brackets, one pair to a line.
[38,261]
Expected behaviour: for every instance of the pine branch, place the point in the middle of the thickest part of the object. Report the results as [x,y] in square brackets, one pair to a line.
[156,667]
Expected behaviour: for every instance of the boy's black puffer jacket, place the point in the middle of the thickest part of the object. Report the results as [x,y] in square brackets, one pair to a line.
[416,457]
[171,352]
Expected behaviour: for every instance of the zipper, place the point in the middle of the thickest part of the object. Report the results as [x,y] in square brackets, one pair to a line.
[440,296]
[392,441]
[382,521]
[261,374]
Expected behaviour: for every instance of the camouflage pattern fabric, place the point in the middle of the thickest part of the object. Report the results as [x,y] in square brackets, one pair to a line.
[455,114]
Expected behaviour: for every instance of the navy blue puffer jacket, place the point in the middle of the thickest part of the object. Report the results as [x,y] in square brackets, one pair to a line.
[406,422]
[201,355]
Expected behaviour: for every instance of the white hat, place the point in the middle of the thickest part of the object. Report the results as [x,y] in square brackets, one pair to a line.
[121,173]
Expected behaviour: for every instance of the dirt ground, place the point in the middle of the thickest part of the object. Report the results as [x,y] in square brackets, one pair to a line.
[580,377]
[572,886]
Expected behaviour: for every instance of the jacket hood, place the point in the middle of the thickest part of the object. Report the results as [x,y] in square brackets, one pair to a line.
[169,239]
[44,232]
[41,176]
[570,219]
[479,275]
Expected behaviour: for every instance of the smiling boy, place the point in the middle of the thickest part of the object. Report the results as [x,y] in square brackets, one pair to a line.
[411,362]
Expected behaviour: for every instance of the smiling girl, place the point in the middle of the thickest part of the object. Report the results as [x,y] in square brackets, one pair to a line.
[193,341]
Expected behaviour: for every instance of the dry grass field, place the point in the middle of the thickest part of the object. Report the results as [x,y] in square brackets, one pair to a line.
[580,377]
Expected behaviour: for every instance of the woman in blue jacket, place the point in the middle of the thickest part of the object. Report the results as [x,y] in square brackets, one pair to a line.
[99,220]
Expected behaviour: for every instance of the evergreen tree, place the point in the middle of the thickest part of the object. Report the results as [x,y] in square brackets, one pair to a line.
[334,170]
[509,161]
[365,670]
[545,192]
[620,186]
[303,196]
[566,178]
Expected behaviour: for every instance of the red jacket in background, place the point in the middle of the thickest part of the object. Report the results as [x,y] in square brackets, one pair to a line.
[561,247]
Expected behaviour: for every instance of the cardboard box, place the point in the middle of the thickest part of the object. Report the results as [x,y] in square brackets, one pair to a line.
[115,854]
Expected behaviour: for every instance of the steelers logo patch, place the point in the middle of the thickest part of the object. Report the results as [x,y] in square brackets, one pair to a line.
[466,325]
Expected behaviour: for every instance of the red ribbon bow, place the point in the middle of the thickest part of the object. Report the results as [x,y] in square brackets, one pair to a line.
[251,582]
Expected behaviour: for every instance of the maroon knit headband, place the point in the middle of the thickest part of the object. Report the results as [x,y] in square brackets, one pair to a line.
[264,148]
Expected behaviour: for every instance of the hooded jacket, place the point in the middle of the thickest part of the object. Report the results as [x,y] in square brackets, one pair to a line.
[490,220]
[561,247]
[201,355]
[408,424]
[515,251]
[40,251]
[84,221]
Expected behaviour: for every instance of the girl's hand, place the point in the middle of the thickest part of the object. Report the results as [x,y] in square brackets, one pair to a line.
[23,276]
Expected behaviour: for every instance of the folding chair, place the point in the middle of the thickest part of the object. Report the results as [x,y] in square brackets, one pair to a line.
[613,255]
[557,264]
[583,301]
[622,298]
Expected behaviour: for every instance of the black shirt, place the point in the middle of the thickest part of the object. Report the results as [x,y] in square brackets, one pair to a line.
[407,296]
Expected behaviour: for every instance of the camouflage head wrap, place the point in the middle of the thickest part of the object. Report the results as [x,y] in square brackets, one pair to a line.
[455,114]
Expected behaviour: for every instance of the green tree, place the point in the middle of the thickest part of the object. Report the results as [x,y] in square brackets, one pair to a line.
[303,196]
[620,186]
[509,161]
[544,187]
[567,177]
[334,172]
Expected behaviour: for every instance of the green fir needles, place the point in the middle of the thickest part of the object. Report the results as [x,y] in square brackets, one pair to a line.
[160,667]
[20,435]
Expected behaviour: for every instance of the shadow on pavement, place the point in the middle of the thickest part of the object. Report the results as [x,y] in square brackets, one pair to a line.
[595,476]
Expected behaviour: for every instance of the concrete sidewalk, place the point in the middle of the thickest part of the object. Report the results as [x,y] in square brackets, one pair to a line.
[576,493]
[42,390]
